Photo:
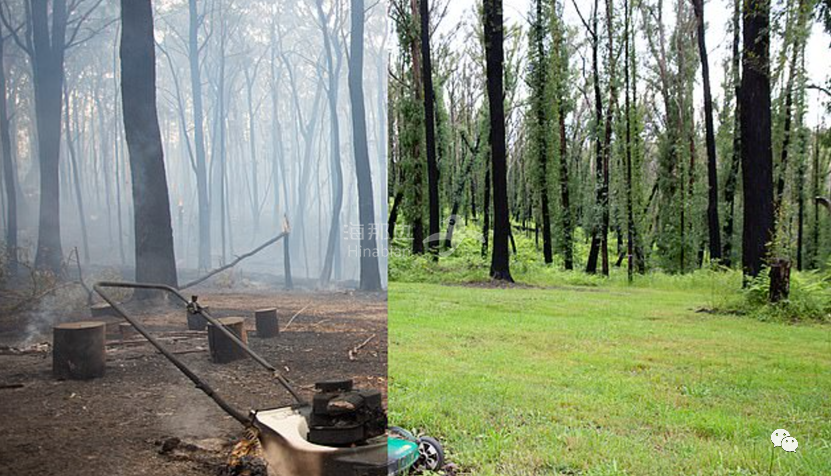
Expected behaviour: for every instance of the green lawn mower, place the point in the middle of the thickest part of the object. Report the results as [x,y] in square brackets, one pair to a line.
[342,432]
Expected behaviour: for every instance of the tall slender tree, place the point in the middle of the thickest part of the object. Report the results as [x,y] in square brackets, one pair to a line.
[9,182]
[155,260]
[494,65]
[538,83]
[731,182]
[331,49]
[757,158]
[370,274]
[713,226]
[430,130]
[201,166]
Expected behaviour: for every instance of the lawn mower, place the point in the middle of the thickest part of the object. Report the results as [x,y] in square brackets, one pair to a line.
[342,432]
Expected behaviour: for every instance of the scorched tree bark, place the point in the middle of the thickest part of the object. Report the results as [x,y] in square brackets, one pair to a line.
[155,260]
[757,160]
[494,58]
[370,274]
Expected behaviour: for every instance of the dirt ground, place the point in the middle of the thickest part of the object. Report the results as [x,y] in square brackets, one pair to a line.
[117,425]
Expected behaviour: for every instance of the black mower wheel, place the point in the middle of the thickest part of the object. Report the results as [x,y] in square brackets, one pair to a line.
[430,454]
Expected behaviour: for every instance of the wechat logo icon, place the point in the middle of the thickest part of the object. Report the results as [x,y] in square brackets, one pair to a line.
[784,440]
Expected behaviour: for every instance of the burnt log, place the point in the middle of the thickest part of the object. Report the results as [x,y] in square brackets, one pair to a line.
[267,323]
[196,321]
[79,351]
[223,349]
[780,280]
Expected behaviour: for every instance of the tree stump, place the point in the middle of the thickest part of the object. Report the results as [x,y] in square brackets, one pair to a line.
[196,321]
[223,349]
[128,331]
[78,350]
[780,280]
[102,310]
[267,323]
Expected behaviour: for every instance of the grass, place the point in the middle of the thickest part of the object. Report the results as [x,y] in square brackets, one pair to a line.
[603,378]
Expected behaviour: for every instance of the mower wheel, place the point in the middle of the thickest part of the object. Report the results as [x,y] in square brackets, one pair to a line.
[430,454]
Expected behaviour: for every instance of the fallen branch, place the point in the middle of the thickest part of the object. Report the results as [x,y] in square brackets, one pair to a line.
[41,348]
[142,340]
[235,262]
[11,386]
[354,352]
[295,315]
[178,352]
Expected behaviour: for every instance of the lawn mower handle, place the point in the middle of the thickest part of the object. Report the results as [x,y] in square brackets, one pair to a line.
[200,384]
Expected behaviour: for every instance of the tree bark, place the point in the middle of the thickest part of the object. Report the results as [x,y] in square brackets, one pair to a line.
[9,173]
[336,172]
[154,255]
[597,219]
[712,169]
[370,274]
[430,130]
[199,138]
[494,59]
[630,216]
[538,97]
[76,177]
[48,71]
[757,160]
[730,184]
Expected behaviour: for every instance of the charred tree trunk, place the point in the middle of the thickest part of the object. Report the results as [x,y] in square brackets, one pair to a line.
[199,138]
[712,170]
[730,184]
[597,227]
[786,137]
[9,173]
[396,203]
[607,140]
[757,160]
[630,216]
[780,280]
[154,255]
[336,172]
[47,63]
[540,104]
[430,130]
[494,58]
[486,211]
[370,274]
[76,177]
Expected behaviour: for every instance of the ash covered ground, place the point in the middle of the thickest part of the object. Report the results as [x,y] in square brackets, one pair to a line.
[125,422]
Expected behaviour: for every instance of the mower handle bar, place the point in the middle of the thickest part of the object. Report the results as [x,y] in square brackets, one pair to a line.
[200,384]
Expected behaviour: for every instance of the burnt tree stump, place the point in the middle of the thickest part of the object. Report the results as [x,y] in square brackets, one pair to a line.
[196,321]
[780,280]
[102,310]
[223,349]
[128,332]
[267,323]
[78,351]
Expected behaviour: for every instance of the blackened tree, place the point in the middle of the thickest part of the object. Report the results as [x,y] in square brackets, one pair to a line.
[155,261]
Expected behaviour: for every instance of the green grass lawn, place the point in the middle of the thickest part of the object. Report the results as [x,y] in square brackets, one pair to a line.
[606,380]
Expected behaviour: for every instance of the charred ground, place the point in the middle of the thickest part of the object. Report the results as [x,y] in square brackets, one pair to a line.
[123,423]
